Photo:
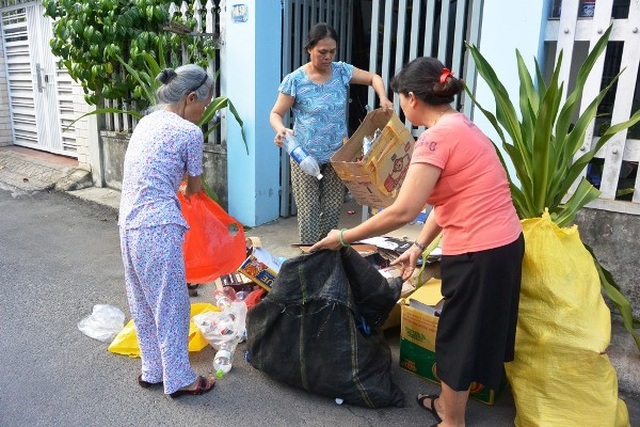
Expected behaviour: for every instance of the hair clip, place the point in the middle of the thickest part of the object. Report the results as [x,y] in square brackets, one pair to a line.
[445,73]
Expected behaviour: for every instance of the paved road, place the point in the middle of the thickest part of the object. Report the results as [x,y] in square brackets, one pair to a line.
[60,256]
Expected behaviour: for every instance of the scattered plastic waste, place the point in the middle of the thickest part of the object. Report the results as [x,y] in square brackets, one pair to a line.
[339,401]
[225,297]
[224,329]
[242,295]
[103,324]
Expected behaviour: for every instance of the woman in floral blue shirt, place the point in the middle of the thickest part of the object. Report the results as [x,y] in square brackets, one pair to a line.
[317,93]
[165,147]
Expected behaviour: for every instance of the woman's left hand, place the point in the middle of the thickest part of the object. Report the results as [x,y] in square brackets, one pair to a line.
[331,242]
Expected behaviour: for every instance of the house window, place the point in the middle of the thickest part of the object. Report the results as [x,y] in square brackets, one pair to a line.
[586,9]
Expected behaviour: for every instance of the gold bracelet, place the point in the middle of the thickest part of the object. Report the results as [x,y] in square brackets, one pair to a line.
[341,237]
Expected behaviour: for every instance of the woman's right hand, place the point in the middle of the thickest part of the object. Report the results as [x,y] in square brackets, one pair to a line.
[407,261]
[279,138]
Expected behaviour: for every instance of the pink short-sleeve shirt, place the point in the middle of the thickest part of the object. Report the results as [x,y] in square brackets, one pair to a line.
[471,199]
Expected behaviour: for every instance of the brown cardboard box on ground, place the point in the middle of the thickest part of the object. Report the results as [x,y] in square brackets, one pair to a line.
[375,180]
[430,271]
[419,314]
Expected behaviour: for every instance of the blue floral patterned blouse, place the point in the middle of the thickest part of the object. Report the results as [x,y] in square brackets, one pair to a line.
[319,109]
[163,147]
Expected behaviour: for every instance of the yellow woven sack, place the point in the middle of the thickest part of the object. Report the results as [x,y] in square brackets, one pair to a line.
[126,342]
[561,375]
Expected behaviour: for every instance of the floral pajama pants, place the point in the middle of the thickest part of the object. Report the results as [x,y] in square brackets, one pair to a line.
[319,202]
[159,302]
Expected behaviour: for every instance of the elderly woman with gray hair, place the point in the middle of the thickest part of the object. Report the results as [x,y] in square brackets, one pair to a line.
[165,146]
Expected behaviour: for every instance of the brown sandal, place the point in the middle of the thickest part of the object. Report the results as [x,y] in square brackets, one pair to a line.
[204,385]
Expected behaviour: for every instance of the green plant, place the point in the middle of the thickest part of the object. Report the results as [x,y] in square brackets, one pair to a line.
[147,85]
[542,145]
[116,48]
[90,35]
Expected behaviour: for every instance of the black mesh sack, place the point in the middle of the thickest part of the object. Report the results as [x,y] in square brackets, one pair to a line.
[318,329]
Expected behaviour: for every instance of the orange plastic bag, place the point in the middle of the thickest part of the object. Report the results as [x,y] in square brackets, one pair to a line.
[214,244]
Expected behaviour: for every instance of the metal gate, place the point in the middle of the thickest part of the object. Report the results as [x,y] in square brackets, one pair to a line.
[39,92]
[408,29]
[573,28]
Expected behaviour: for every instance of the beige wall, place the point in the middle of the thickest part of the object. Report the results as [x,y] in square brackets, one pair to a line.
[83,136]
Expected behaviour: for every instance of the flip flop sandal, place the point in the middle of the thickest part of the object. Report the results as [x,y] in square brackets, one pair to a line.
[432,407]
[203,386]
[146,384]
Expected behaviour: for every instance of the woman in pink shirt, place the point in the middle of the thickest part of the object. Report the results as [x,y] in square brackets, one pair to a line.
[455,168]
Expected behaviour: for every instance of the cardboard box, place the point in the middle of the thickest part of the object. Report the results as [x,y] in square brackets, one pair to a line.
[260,266]
[238,281]
[418,339]
[375,179]
[408,287]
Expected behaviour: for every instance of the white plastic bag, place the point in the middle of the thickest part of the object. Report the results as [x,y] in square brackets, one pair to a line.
[228,325]
[103,324]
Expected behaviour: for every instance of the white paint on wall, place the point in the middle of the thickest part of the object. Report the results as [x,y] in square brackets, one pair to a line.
[505,27]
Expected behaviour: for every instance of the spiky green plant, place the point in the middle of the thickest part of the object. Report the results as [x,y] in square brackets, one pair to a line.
[542,142]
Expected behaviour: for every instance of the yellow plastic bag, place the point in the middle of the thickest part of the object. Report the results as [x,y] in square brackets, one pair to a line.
[561,375]
[126,342]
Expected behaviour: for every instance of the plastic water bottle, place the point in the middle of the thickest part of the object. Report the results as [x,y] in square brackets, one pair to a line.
[307,163]
[230,328]
[223,360]
[225,297]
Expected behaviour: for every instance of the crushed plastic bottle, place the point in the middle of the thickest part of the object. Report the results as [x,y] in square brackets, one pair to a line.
[298,153]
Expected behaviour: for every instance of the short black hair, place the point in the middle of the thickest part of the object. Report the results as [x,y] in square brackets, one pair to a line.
[318,32]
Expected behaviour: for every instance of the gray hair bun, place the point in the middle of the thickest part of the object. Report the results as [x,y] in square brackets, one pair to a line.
[166,75]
